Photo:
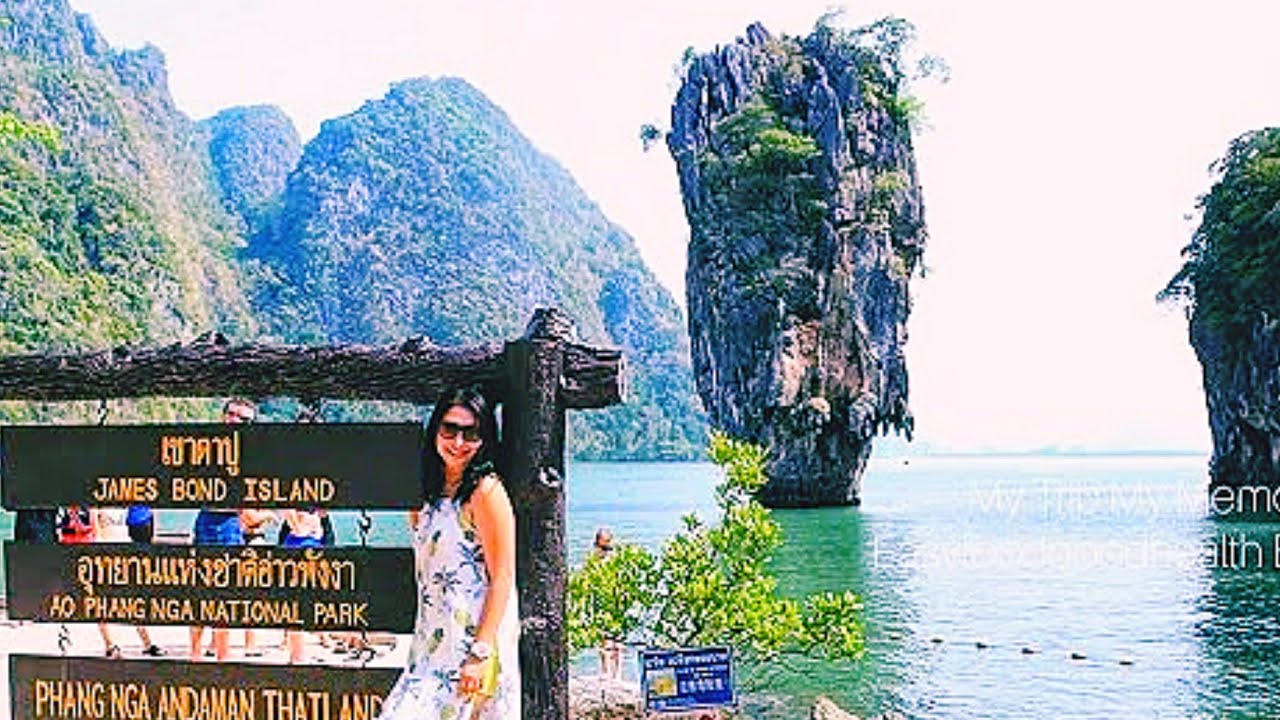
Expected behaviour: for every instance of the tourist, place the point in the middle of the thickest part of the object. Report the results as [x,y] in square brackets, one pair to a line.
[36,525]
[300,529]
[254,524]
[463,661]
[78,525]
[602,546]
[110,525]
[141,523]
[610,648]
[215,527]
[75,525]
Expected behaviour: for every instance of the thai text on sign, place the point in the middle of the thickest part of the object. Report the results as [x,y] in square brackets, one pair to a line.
[687,678]
[314,589]
[367,465]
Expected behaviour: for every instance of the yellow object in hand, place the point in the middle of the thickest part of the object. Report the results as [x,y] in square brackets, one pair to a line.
[489,678]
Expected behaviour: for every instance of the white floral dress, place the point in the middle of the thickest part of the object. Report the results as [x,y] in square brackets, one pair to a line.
[452,582]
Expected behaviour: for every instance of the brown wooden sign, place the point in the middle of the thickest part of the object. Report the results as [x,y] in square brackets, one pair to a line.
[45,688]
[366,465]
[313,589]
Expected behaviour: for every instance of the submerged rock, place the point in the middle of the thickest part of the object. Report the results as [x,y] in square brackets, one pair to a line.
[806,224]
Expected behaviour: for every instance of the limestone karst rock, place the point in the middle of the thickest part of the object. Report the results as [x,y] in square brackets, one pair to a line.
[115,233]
[253,149]
[428,212]
[806,223]
[1231,283]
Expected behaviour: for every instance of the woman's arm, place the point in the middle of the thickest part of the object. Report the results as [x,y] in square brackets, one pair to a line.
[253,520]
[496,527]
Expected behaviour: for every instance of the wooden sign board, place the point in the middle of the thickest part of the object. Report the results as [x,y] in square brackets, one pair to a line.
[45,688]
[686,679]
[365,465]
[313,589]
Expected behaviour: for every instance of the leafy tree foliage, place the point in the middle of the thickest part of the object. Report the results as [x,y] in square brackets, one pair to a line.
[1231,273]
[711,584]
[109,231]
[15,129]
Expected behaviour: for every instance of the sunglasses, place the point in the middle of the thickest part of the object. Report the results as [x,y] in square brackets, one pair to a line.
[449,431]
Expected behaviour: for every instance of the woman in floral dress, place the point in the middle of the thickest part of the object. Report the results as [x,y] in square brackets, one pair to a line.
[464,659]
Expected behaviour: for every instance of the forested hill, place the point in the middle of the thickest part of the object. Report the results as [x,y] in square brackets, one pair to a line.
[425,213]
[253,150]
[111,233]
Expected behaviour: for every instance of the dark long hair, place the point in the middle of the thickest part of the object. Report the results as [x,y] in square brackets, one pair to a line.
[482,463]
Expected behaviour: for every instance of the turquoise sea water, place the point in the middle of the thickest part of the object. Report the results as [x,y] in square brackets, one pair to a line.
[1103,558]
[1036,559]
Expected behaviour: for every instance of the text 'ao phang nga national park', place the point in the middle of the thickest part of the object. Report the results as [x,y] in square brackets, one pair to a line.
[152,267]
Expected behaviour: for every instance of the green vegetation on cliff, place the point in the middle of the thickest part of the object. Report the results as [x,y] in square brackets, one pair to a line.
[109,234]
[1231,273]
[253,149]
[806,222]
[426,213]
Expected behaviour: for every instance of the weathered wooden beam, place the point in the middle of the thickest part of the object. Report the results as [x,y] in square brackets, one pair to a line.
[593,377]
[413,371]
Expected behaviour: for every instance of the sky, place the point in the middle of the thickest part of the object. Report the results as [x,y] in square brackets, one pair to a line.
[1061,163]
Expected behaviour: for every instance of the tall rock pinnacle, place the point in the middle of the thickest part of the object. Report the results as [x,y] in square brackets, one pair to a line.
[1230,282]
[806,224]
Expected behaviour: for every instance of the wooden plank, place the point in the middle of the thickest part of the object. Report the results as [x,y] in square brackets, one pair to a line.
[42,688]
[370,465]
[320,589]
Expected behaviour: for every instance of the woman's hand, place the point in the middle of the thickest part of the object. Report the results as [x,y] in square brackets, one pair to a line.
[471,680]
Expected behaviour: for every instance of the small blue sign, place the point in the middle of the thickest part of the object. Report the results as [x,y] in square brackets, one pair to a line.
[686,679]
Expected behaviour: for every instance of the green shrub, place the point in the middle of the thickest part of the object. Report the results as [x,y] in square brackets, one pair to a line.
[711,584]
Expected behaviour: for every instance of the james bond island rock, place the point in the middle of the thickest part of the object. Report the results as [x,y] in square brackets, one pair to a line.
[806,220]
[1231,285]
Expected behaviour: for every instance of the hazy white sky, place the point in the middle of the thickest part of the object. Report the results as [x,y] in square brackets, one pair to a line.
[1062,157]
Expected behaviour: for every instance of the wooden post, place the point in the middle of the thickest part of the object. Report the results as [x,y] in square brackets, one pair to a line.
[534,432]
